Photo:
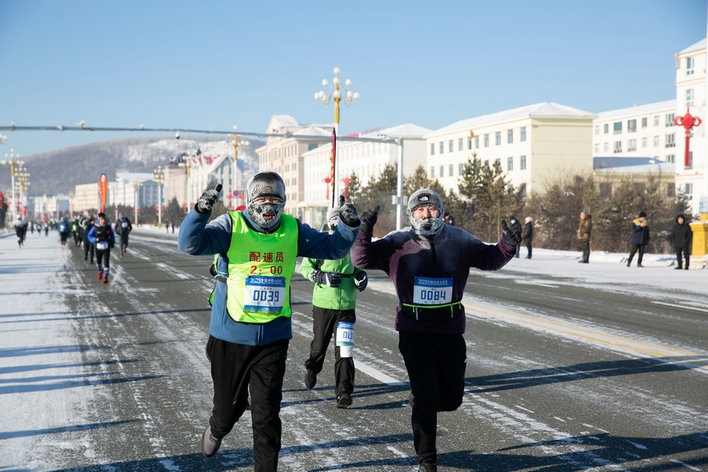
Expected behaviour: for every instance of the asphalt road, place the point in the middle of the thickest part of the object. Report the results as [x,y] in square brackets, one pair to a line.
[560,377]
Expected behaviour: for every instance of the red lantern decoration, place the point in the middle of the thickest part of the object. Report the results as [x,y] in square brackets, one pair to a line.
[688,121]
[103,190]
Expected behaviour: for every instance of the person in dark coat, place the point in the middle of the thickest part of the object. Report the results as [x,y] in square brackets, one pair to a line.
[640,238]
[682,238]
[429,264]
[515,226]
[527,236]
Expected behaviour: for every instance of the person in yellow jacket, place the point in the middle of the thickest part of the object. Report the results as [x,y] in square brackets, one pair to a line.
[333,312]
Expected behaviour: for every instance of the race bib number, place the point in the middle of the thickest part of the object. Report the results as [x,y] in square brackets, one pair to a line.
[430,291]
[124,224]
[264,294]
[102,245]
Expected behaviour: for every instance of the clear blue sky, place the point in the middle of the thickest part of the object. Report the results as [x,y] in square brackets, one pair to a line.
[215,64]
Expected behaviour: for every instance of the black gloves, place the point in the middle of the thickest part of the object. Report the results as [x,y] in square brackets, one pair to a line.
[331,279]
[368,220]
[510,236]
[207,200]
[347,213]
[361,280]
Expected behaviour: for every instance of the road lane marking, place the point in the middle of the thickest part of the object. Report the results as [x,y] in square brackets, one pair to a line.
[678,305]
[699,361]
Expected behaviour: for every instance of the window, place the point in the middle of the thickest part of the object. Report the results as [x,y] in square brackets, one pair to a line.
[451,170]
[656,120]
[510,163]
[689,98]
[486,140]
[669,120]
[617,127]
[442,147]
[432,149]
[522,133]
[460,145]
[631,126]
[618,147]
[645,121]
[656,141]
[690,63]
[597,129]
[670,158]
[645,142]
[688,190]
[450,146]
[522,162]
[606,148]
[497,138]
[432,172]
[606,128]
[442,171]
[632,145]
[476,142]
[469,143]
[670,141]
[510,136]
[460,168]
[497,163]
[596,148]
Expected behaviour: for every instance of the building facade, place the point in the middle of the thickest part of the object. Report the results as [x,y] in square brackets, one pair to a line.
[534,145]
[691,94]
[639,131]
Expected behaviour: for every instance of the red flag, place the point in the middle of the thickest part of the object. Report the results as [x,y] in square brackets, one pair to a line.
[103,189]
[331,171]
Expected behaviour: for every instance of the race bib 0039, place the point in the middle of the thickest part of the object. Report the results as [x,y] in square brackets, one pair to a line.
[264,294]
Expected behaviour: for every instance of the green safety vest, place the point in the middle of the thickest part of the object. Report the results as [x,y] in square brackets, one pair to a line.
[260,268]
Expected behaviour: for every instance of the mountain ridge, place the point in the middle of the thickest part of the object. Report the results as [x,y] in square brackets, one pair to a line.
[58,172]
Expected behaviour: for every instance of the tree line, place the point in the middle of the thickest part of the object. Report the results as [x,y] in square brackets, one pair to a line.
[485,196]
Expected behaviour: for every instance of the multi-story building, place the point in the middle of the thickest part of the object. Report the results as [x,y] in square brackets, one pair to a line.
[691,94]
[639,131]
[364,155]
[284,154]
[534,144]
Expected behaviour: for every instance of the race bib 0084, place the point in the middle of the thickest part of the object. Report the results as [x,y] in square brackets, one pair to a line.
[432,291]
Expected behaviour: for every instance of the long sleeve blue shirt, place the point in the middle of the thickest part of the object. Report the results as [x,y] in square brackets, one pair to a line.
[199,238]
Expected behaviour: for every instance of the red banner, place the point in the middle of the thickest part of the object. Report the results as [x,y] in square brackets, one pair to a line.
[103,190]
[331,171]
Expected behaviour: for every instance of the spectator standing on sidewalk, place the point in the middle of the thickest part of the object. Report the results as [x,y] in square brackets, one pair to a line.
[640,238]
[527,236]
[584,231]
[682,239]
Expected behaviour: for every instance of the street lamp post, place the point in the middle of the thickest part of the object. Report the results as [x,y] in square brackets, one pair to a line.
[135,202]
[188,165]
[22,187]
[237,142]
[15,166]
[159,175]
[333,92]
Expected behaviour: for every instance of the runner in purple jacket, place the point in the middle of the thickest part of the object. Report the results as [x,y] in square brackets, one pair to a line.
[429,263]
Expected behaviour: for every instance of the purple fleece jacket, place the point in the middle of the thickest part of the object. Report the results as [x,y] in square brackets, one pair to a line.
[451,253]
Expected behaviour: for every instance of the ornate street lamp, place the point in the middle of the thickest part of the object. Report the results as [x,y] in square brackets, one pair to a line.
[333,92]
[236,142]
[159,175]
[15,167]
